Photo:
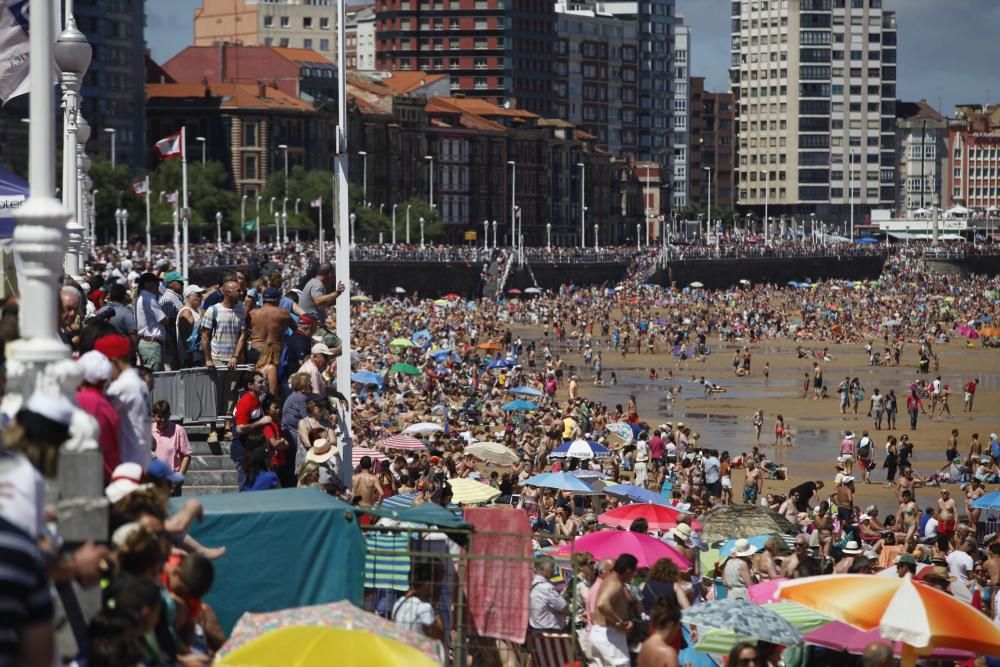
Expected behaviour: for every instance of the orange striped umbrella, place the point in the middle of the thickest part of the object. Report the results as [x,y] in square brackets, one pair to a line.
[921,617]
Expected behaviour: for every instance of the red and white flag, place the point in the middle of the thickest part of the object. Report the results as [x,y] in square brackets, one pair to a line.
[171,146]
[141,186]
[171,197]
[316,203]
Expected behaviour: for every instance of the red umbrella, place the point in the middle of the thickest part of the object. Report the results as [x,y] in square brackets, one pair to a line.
[402,442]
[659,517]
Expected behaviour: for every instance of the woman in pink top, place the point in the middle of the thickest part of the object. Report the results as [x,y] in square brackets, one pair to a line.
[170,440]
[847,453]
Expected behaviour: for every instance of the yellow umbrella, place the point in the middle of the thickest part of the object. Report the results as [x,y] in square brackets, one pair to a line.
[492,452]
[299,646]
[470,492]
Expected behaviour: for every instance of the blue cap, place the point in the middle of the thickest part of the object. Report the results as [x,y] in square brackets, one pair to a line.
[272,294]
[159,469]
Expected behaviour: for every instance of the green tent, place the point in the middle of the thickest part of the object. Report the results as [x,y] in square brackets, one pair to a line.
[285,548]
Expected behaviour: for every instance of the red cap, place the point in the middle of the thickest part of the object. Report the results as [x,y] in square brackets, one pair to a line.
[114,346]
[306,320]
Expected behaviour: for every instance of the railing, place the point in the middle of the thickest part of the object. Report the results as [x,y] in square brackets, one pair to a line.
[506,274]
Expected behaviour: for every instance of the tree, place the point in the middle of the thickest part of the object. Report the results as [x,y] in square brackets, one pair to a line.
[306,186]
[207,194]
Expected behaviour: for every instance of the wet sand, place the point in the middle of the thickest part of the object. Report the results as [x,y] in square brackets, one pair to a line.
[724,420]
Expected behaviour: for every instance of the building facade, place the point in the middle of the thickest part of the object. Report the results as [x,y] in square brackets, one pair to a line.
[712,148]
[299,24]
[974,159]
[921,157]
[113,97]
[680,185]
[815,86]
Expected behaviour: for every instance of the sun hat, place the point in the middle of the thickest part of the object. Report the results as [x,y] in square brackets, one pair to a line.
[682,532]
[126,478]
[743,548]
[851,549]
[321,451]
[54,407]
[95,366]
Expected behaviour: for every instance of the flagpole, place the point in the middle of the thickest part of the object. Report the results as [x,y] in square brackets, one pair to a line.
[149,235]
[322,254]
[343,250]
[177,233]
[185,211]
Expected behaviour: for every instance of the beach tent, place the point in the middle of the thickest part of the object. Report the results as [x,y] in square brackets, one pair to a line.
[13,192]
[260,571]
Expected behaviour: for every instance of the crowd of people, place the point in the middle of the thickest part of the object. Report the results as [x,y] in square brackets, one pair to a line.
[455,363]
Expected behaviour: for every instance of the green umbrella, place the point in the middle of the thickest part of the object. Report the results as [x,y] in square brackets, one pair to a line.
[745,619]
[401,342]
[405,369]
[803,619]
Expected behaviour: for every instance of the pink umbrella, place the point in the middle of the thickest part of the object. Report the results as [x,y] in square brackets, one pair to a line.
[843,637]
[765,591]
[613,543]
[401,441]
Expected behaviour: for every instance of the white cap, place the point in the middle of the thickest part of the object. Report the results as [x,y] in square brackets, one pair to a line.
[321,348]
[193,289]
[126,478]
[95,366]
[52,406]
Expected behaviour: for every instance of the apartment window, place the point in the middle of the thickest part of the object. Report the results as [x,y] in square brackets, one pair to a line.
[482,24]
[268,21]
[307,23]
[324,23]
[324,45]
[284,22]
[307,43]
[284,43]
[250,134]
[250,167]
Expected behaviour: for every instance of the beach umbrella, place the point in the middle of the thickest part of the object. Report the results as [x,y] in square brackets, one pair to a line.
[421,337]
[399,290]
[452,296]
[843,637]
[989,501]
[501,363]
[744,281]
[303,646]
[744,619]
[367,378]
[360,298]
[492,452]
[422,428]
[401,342]
[514,291]
[660,517]
[697,285]
[494,347]
[526,391]
[470,492]
[734,521]
[561,481]
[580,449]
[583,473]
[614,543]
[358,452]
[967,331]
[989,331]
[918,615]
[407,442]
[621,431]
[341,614]
[803,619]
[637,494]
[405,369]
[519,405]
[532,290]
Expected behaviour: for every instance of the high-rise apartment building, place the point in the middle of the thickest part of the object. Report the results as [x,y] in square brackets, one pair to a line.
[683,110]
[297,24]
[498,50]
[815,86]
[921,156]
[712,146]
[974,158]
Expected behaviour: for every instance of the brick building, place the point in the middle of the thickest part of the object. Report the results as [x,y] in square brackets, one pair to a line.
[712,146]
[974,158]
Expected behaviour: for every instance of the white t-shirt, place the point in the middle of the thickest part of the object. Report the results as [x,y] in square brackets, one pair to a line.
[960,565]
[149,315]
[22,494]
[413,614]
[130,396]
[930,530]
[641,451]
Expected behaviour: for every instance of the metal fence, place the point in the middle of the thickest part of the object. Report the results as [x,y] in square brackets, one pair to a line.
[200,394]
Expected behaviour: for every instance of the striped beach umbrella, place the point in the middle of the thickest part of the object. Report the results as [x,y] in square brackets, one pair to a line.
[400,441]
[803,619]
[358,452]
[470,492]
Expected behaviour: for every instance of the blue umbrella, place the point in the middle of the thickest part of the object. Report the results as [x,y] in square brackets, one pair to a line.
[367,378]
[526,391]
[518,405]
[991,501]
[758,541]
[637,494]
[866,239]
[562,481]
[421,337]
[501,363]
[580,449]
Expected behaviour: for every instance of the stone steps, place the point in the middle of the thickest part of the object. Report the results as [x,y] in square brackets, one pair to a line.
[211,470]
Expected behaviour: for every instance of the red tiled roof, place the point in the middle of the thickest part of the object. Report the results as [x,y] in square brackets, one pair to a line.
[235,95]
[408,82]
[301,55]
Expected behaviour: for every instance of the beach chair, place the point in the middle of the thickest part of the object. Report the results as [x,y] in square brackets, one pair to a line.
[551,649]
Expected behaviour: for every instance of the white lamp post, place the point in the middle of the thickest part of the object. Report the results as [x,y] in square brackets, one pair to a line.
[638,236]
[380,207]
[82,167]
[421,232]
[494,234]
[548,235]
[297,200]
[277,227]
[218,229]
[284,213]
[111,131]
[394,207]
[595,237]
[118,228]
[486,234]
[124,228]
[430,169]
[354,237]
[408,223]
[583,204]
[513,203]
[202,141]
[708,226]
[243,217]
[284,224]
[364,176]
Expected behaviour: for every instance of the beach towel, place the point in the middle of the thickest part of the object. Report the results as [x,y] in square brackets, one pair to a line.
[497,589]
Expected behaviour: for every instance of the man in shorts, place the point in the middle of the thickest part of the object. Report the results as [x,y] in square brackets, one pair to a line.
[753,482]
[947,513]
[611,624]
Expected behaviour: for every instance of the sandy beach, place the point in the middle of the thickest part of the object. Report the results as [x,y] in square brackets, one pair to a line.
[724,419]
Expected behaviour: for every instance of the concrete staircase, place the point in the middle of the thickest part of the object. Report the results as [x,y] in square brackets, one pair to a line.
[211,470]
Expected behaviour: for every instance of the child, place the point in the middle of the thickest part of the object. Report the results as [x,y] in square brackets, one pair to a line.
[187,579]
[614,379]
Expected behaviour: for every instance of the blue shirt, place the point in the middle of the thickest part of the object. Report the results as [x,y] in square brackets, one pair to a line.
[265,481]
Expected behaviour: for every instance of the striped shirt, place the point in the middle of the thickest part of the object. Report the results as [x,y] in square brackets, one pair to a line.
[25,598]
[226,325]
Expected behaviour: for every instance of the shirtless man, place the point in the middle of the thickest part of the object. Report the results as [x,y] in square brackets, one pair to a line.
[845,498]
[817,376]
[907,483]
[365,485]
[947,513]
[790,564]
[992,566]
[611,626]
[754,482]
[267,331]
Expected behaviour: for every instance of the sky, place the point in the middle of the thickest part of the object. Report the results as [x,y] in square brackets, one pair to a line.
[948,52]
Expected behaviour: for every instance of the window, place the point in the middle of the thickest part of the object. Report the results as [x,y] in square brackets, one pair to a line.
[307,43]
[268,21]
[324,23]
[249,134]
[284,42]
[284,22]
[250,167]
[307,23]
[324,45]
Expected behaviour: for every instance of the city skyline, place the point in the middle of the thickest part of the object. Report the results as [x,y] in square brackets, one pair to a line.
[965,76]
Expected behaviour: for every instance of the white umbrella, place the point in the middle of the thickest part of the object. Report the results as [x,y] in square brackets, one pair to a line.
[697,285]
[399,290]
[422,428]
[532,290]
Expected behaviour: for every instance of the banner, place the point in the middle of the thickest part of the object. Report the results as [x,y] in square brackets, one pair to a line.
[249,225]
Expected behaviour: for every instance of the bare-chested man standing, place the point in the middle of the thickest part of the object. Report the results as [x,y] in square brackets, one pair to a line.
[753,482]
[947,512]
[365,484]
[610,628]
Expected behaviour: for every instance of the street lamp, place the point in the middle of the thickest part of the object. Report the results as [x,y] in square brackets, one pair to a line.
[380,207]
[486,234]
[124,228]
[112,132]
[277,227]
[297,200]
[583,204]
[638,236]
[421,232]
[408,223]
[354,237]
[494,234]
[430,161]
[595,237]
[72,55]
[364,177]
[394,206]
[218,229]
[202,141]
[708,226]
[284,147]
[812,226]
[284,224]
[513,202]
[270,209]
[118,228]
[548,235]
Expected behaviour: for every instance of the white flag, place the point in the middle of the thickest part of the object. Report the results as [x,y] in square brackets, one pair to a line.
[14,58]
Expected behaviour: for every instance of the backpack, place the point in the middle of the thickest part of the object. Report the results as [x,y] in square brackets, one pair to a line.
[864,448]
[193,342]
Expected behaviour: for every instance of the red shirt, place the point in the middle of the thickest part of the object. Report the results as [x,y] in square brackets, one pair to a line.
[273,432]
[970,387]
[92,400]
[247,409]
